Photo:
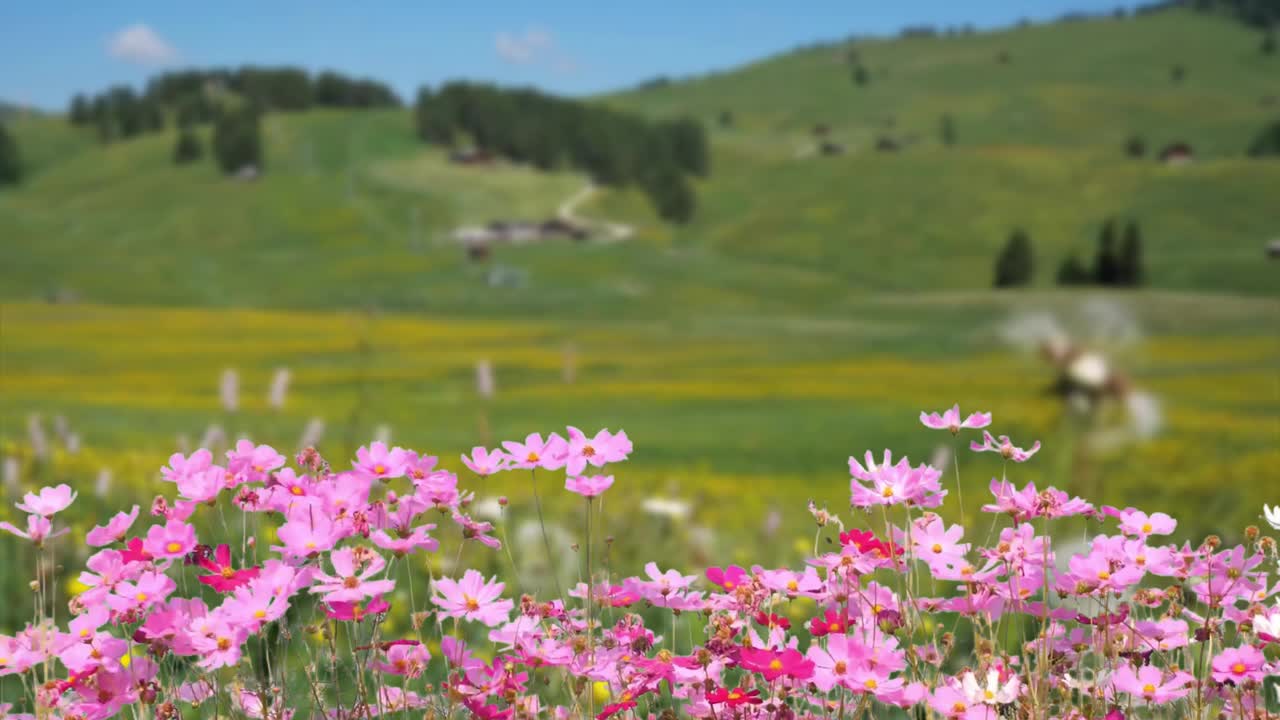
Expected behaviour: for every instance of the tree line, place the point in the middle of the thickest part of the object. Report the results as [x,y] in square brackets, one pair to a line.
[192,97]
[548,132]
[1117,263]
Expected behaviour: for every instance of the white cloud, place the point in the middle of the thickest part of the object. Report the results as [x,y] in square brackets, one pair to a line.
[533,47]
[141,45]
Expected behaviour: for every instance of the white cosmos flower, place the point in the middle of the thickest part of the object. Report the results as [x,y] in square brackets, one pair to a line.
[993,693]
[1268,624]
[1273,515]
[666,507]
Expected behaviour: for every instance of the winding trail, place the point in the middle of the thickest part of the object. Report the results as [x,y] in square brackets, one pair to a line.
[607,232]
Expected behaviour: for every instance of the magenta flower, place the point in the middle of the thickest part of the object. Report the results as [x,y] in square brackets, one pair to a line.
[39,529]
[223,577]
[350,582]
[219,646]
[890,484]
[950,420]
[1149,685]
[408,658]
[1005,447]
[353,611]
[114,531]
[379,462]
[174,539]
[202,486]
[534,453]
[589,486]
[151,588]
[728,578]
[773,665]
[1236,665]
[484,462]
[50,501]
[472,599]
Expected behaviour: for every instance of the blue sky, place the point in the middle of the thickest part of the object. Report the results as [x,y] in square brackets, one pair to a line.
[54,48]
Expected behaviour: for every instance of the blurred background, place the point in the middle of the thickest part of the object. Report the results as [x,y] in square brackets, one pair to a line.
[758,238]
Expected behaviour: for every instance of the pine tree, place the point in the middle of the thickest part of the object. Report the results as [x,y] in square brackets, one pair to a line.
[1015,265]
[1268,43]
[948,131]
[1106,266]
[1135,147]
[10,161]
[1131,272]
[1072,272]
[80,112]
[860,75]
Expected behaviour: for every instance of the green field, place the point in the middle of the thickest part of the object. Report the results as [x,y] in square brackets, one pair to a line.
[813,307]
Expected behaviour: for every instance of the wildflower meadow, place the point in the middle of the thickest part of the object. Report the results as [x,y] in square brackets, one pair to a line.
[263,588]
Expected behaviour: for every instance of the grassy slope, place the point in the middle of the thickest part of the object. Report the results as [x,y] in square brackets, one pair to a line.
[1040,146]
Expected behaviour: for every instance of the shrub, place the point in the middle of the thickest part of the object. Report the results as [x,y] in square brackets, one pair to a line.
[187,148]
[1015,265]
[236,140]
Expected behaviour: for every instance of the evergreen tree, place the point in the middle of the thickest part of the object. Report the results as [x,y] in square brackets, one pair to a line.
[1267,142]
[671,195]
[81,112]
[1072,272]
[10,161]
[688,145]
[1131,271]
[1268,43]
[188,148]
[860,75]
[237,141]
[726,118]
[1106,266]
[1135,147]
[948,131]
[1015,265]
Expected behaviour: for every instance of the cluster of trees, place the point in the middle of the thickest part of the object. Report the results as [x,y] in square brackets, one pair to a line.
[1114,265]
[547,132]
[10,161]
[194,96]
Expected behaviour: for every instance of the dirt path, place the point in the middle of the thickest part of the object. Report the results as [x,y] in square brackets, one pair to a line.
[604,231]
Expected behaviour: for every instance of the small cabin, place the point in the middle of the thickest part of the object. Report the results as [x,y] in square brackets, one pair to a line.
[1178,153]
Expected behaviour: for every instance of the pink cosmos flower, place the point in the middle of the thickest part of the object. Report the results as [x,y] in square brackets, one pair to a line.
[39,529]
[223,577]
[774,664]
[219,644]
[408,658]
[174,539]
[254,461]
[378,462]
[151,588]
[950,420]
[890,484]
[308,532]
[180,466]
[596,451]
[114,531]
[1236,665]
[405,544]
[1148,684]
[50,501]
[472,599]
[202,487]
[1005,447]
[534,453]
[1138,524]
[588,486]
[728,578]
[354,611]
[350,582]
[484,462]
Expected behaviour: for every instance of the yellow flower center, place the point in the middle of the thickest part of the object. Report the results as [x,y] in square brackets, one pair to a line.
[296,489]
[173,547]
[379,469]
[224,643]
[959,707]
[1148,689]
[792,585]
[1104,575]
[531,457]
[840,667]
[140,597]
[937,548]
[1238,668]
[887,492]
[259,614]
[988,694]
[471,603]
[775,664]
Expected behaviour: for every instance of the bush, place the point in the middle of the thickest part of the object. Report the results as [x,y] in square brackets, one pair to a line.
[947,131]
[1106,264]
[236,140]
[10,160]
[1073,272]
[1015,265]
[1267,142]
[187,149]
[1135,146]
[1130,270]
[860,75]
